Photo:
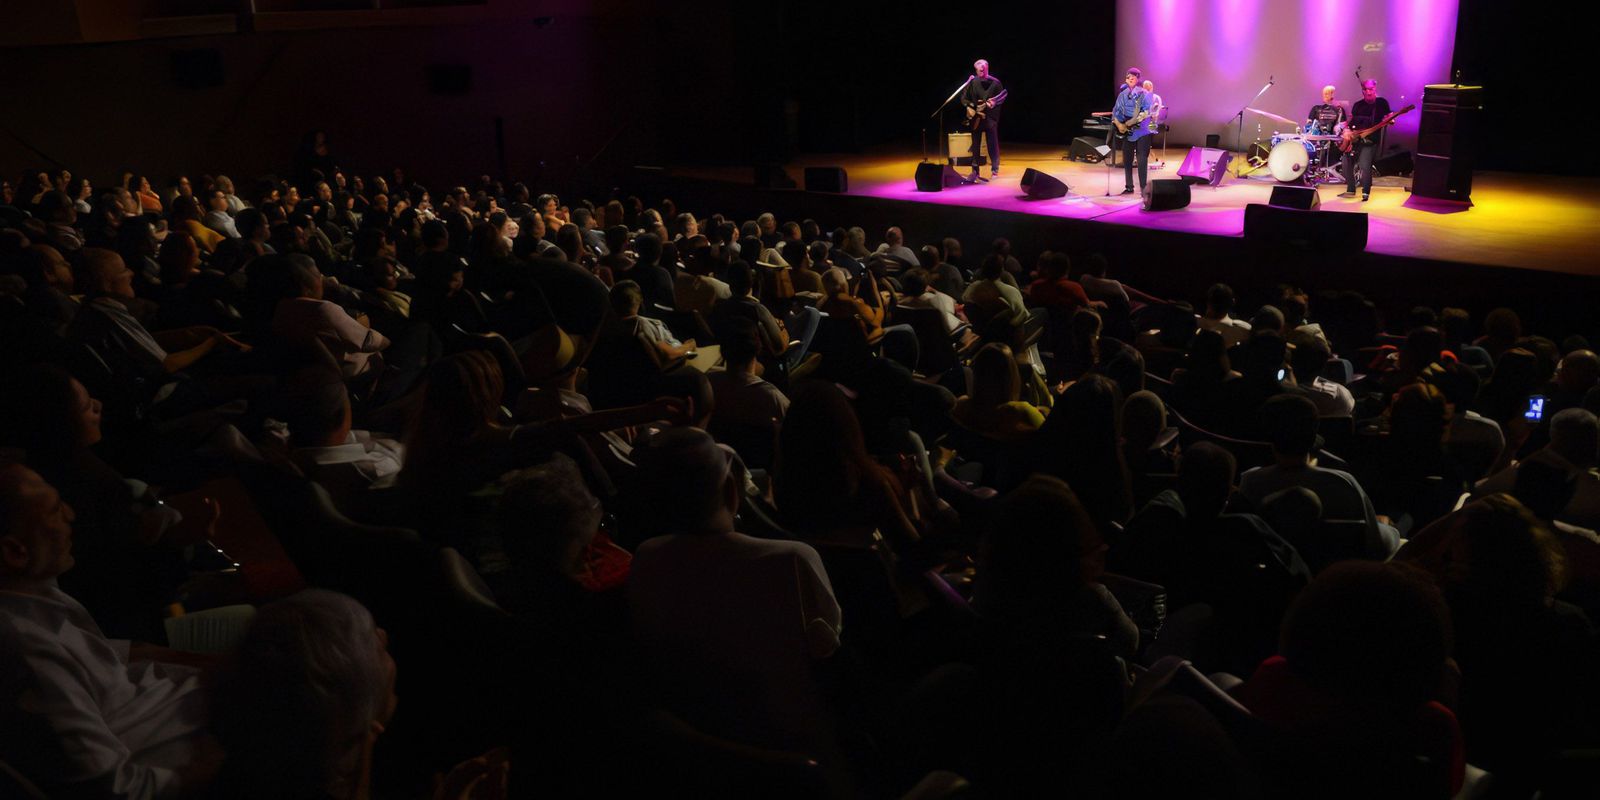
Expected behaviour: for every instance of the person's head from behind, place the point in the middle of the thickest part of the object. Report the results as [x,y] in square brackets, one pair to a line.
[1546,489]
[686,482]
[1578,371]
[1575,436]
[185,209]
[993,266]
[742,345]
[893,237]
[307,278]
[1263,356]
[913,283]
[1085,330]
[742,279]
[548,516]
[648,247]
[1219,301]
[460,400]
[1144,418]
[1458,382]
[35,528]
[570,239]
[1290,421]
[1419,419]
[107,275]
[836,282]
[316,407]
[435,235]
[817,255]
[1370,633]
[617,239]
[1423,346]
[767,223]
[179,259]
[795,253]
[57,207]
[995,379]
[1205,480]
[311,689]
[1038,552]
[1309,356]
[626,299]
[1502,326]
[1494,556]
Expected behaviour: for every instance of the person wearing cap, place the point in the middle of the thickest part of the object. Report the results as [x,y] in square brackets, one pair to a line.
[1290,421]
[729,624]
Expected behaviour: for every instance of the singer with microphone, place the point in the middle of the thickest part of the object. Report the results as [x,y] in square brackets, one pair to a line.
[982,96]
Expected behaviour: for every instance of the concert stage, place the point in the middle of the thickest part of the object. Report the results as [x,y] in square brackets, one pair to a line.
[1537,222]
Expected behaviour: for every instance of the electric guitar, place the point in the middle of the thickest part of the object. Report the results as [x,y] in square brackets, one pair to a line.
[977,112]
[1125,126]
[1347,140]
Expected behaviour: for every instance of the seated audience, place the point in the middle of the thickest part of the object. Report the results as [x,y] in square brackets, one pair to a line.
[1290,422]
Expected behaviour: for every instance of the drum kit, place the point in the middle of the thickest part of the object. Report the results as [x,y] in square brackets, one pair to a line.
[1301,156]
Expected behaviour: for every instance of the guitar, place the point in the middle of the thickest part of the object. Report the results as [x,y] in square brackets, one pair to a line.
[977,112]
[1124,127]
[1347,140]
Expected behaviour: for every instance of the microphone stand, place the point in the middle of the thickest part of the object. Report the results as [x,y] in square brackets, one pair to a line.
[1238,138]
[939,112]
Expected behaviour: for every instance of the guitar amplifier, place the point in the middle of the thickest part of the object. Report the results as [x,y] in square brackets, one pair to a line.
[960,151]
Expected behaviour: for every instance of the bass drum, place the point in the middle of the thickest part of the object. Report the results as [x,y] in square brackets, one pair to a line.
[1289,160]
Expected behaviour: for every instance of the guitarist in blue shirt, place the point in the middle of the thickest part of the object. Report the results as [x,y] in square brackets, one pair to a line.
[1131,115]
[982,96]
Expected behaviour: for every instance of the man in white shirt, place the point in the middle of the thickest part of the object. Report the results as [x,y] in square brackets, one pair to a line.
[343,461]
[1308,358]
[81,714]
[730,625]
[1291,421]
[299,320]
[918,293]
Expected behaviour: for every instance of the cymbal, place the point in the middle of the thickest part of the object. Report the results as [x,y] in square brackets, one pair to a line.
[1272,116]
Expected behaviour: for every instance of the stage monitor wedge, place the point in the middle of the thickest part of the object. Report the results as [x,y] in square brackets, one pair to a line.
[1304,198]
[827,179]
[1040,186]
[1086,149]
[1166,195]
[933,177]
[1332,231]
[1205,165]
[773,176]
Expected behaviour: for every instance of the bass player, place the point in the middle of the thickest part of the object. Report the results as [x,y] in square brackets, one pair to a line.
[1370,110]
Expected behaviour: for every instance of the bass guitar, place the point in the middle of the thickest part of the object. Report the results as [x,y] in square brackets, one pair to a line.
[979,111]
[1347,140]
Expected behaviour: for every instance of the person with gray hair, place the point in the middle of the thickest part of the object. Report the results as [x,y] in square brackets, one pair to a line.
[311,690]
[1574,450]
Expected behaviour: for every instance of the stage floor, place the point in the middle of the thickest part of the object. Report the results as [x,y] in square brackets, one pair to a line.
[1540,222]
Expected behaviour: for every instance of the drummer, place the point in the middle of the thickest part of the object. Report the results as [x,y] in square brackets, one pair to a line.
[1325,118]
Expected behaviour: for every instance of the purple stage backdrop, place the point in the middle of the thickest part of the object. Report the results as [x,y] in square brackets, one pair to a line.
[1207,58]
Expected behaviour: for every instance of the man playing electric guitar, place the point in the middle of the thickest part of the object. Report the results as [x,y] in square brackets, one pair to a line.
[1131,116]
[1360,151]
[982,97]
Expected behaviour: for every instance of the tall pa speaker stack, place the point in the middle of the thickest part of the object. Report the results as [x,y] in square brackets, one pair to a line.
[1447,138]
